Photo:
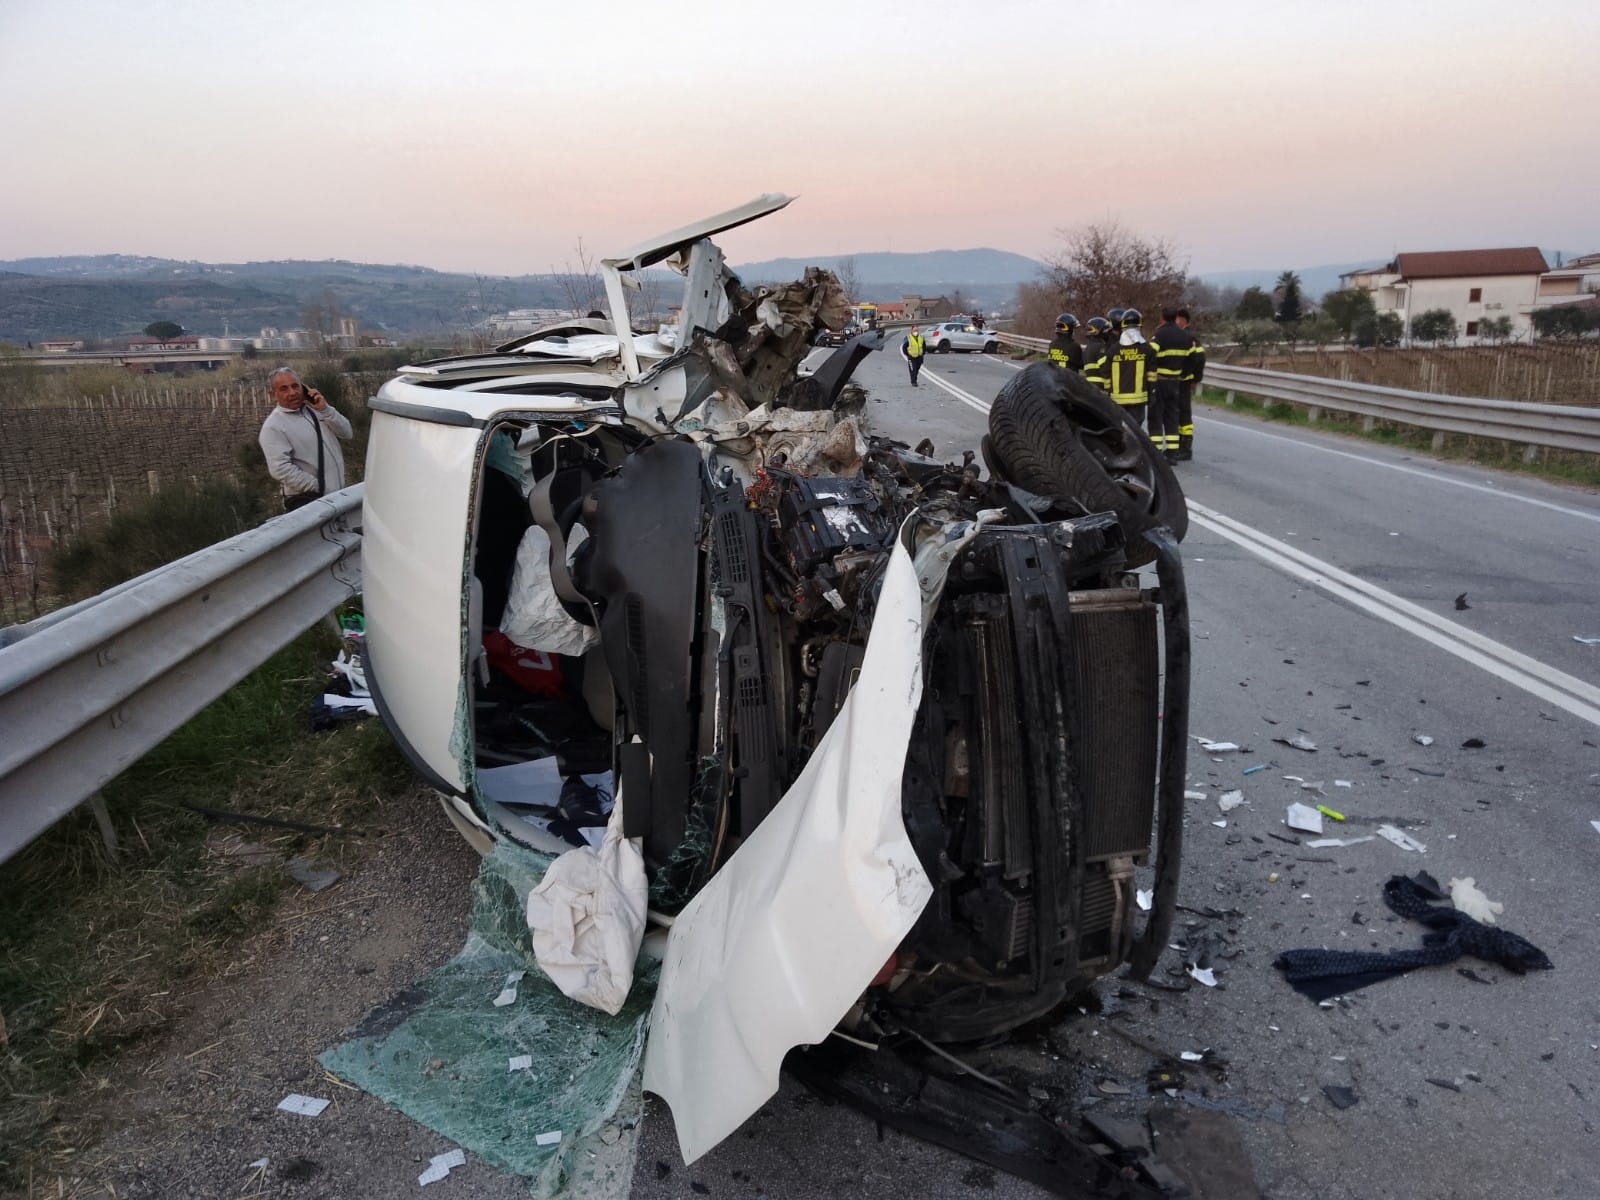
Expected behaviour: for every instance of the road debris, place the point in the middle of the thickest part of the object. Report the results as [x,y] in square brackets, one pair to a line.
[1322,974]
[1340,1097]
[1473,743]
[1211,747]
[1229,801]
[1586,641]
[1401,838]
[1298,742]
[305,1106]
[1422,739]
[1464,894]
[1461,603]
[1344,783]
[1325,843]
[1204,975]
[1254,769]
[522,1062]
[1144,897]
[1194,795]
[508,993]
[441,1165]
[550,1138]
[311,876]
[1303,817]
[1329,813]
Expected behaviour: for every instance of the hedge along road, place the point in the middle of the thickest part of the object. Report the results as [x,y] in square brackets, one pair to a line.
[1303,554]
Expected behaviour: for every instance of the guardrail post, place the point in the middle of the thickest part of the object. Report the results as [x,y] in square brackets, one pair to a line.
[1531,453]
[1438,440]
[108,831]
[1313,413]
[1368,423]
[1228,398]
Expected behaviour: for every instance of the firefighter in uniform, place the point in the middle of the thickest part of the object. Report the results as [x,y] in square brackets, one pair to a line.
[1130,365]
[1171,345]
[1193,373]
[1065,351]
[1096,350]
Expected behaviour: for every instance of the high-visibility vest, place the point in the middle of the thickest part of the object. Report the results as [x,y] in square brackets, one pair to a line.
[914,345]
[1127,368]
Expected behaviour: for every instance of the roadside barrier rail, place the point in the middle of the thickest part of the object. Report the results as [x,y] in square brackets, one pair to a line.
[86,690]
[1565,427]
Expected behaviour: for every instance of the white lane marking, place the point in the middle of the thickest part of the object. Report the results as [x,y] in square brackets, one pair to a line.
[966,398]
[1004,362]
[1558,688]
[1432,475]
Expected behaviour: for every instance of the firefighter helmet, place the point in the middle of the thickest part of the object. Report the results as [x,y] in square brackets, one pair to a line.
[1132,318]
[1066,323]
[1115,317]
[1099,326]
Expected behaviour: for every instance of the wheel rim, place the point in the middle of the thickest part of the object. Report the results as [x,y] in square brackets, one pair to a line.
[1120,454]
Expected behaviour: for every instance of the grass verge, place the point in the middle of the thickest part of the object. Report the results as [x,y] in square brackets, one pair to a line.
[1561,466]
[95,953]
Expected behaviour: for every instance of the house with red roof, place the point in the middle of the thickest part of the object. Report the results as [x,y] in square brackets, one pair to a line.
[1474,285]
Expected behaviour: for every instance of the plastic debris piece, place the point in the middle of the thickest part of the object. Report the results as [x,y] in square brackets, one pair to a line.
[1112,1088]
[1422,739]
[1304,818]
[1144,897]
[522,1062]
[441,1165]
[1461,603]
[550,1138]
[1272,878]
[1211,747]
[1220,824]
[1342,783]
[1229,801]
[1448,1085]
[310,876]
[1254,769]
[1586,641]
[1194,795]
[1324,843]
[1400,838]
[1596,825]
[305,1106]
[1329,813]
[1464,894]
[1298,742]
[1192,1056]
[257,1165]
[1340,1097]
[508,994]
[1205,975]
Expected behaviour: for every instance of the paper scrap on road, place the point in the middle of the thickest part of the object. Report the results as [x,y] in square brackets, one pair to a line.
[1304,818]
[521,1062]
[305,1106]
[1194,795]
[1342,783]
[257,1165]
[1299,741]
[1422,739]
[1229,801]
[1144,897]
[1400,838]
[1211,747]
[1326,843]
[1205,975]
[508,994]
[441,1165]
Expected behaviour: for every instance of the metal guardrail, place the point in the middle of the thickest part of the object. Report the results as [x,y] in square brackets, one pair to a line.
[85,691]
[1562,426]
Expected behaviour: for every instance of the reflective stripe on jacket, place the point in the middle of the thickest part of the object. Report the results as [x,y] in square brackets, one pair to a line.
[914,345]
[1172,346]
[1128,370]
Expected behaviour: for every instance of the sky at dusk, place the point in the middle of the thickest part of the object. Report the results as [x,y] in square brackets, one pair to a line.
[492,137]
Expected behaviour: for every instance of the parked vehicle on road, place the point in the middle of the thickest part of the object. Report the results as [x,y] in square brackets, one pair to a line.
[890,734]
[960,335]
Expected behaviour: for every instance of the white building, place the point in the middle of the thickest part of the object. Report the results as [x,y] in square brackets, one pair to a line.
[1474,285]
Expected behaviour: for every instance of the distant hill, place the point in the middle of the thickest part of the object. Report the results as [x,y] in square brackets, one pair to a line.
[1315,282]
[929,269]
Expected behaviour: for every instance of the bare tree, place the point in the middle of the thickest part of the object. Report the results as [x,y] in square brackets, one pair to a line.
[1102,266]
[580,287]
[848,272]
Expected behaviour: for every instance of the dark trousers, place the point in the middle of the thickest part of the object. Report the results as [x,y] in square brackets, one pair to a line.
[1164,415]
[290,503]
[914,365]
[1135,411]
[1186,417]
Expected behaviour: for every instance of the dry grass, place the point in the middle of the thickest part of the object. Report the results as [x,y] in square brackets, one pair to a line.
[96,954]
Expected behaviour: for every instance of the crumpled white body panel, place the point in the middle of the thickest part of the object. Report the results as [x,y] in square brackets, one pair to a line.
[587,918]
[780,943]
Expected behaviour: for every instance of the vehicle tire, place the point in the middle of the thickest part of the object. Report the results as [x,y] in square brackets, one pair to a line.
[991,347]
[1054,433]
[944,346]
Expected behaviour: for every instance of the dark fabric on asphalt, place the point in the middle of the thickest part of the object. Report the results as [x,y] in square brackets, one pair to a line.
[1322,974]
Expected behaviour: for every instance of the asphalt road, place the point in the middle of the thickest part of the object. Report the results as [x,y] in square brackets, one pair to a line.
[1277,652]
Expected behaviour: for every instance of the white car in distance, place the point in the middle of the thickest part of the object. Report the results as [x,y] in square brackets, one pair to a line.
[959,335]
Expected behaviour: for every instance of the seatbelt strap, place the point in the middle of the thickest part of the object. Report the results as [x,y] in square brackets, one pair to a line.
[545,518]
[316,428]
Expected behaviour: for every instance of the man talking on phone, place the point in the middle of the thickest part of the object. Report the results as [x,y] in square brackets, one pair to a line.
[300,438]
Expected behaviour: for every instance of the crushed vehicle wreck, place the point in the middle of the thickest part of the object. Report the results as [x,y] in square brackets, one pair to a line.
[888,738]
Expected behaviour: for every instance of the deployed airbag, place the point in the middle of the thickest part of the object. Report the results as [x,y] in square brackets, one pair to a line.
[534,616]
